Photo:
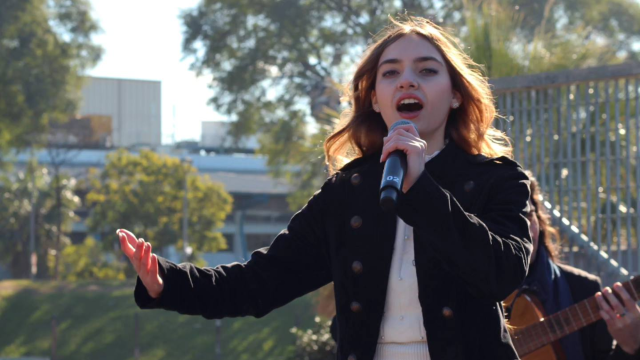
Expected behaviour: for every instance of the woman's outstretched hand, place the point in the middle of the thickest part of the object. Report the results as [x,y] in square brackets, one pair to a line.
[146,264]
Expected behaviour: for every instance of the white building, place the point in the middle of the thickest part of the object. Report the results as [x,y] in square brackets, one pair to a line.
[132,105]
[260,209]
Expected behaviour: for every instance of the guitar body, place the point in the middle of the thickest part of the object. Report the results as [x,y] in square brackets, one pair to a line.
[528,310]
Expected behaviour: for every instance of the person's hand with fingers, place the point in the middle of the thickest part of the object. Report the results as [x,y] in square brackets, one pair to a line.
[143,260]
[623,319]
[407,139]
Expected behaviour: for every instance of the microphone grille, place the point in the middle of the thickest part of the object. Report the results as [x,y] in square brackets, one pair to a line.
[401,123]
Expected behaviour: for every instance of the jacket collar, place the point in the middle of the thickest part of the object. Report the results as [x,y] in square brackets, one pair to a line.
[451,161]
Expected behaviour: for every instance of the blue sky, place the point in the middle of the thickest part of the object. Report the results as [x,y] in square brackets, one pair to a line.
[142,39]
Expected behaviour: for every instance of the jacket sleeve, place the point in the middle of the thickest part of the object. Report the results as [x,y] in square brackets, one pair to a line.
[490,251]
[619,354]
[296,263]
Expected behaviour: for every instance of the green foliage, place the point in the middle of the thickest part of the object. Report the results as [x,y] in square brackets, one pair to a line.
[16,191]
[491,36]
[315,343]
[96,320]
[88,261]
[274,65]
[144,194]
[287,142]
[45,45]
[612,23]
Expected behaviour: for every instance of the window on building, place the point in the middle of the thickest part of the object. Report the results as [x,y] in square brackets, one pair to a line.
[230,238]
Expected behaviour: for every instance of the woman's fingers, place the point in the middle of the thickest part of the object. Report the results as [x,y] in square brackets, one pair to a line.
[144,262]
[391,147]
[629,304]
[401,143]
[411,130]
[137,255]
[140,253]
[127,249]
[147,258]
[154,282]
[401,135]
[615,304]
[153,270]
[605,310]
[406,128]
[132,239]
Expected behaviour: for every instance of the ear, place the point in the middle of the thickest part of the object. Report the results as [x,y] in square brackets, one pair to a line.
[374,101]
[457,97]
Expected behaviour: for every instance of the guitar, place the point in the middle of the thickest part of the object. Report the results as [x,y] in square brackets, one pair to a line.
[535,335]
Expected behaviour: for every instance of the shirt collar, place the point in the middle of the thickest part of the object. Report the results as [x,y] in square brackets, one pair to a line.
[429,157]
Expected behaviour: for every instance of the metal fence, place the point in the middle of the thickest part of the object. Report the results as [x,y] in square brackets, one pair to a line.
[578,131]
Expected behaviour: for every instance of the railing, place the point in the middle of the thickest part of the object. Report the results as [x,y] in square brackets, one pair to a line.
[578,131]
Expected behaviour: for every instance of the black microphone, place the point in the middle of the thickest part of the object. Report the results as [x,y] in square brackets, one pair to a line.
[393,176]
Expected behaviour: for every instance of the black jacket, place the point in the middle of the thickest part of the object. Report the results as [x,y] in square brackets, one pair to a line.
[472,248]
[597,343]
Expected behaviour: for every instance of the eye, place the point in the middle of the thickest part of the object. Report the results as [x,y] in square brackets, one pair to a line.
[389,73]
[429,71]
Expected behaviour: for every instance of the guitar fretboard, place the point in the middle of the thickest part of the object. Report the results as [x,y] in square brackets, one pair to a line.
[533,337]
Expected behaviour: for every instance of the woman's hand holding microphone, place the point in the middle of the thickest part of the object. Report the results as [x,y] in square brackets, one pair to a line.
[407,139]
[146,263]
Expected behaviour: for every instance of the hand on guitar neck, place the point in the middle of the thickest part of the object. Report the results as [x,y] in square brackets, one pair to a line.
[535,334]
[622,315]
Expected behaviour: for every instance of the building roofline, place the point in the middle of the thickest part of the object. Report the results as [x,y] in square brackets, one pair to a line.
[121,79]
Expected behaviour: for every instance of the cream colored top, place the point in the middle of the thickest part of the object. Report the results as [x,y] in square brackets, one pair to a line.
[402,332]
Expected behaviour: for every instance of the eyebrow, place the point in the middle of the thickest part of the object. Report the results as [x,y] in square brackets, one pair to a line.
[416,60]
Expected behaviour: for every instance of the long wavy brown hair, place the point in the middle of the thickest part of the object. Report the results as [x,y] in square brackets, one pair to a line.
[549,237]
[361,129]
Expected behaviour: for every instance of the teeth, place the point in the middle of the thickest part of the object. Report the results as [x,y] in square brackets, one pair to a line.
[409,101]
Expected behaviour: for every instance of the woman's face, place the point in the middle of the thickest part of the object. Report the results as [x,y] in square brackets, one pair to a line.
[413,83]
[534,229]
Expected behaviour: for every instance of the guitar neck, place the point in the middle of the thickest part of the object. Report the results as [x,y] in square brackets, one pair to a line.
[533,337]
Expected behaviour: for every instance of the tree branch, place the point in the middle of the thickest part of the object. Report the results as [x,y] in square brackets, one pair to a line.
[352,16]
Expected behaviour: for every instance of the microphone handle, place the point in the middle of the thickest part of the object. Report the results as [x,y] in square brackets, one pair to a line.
[395,169]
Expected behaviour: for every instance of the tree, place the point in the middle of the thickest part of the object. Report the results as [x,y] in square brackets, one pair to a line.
[615,23]
[88,261]
[275,65]
[489,39]
[45,45]
[15,207]
[60,152]
[315,343]
[144,193]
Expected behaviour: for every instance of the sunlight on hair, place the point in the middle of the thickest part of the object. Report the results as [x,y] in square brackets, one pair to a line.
[360,129]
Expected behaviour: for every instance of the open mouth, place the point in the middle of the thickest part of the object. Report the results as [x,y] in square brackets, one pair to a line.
[409,106]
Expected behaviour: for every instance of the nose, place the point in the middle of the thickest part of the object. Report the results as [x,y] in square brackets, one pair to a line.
[407,82]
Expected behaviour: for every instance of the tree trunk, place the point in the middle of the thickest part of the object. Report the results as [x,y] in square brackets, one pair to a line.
[56,272]
[19,265]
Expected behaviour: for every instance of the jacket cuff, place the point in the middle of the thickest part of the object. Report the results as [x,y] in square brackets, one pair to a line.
[619,354]
[141,295]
